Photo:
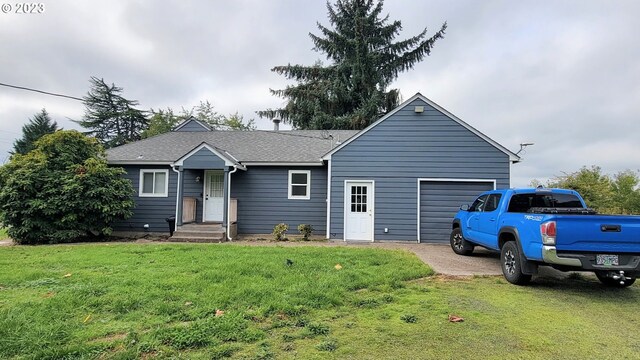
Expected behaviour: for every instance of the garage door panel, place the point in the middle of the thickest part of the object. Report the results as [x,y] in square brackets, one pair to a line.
[439,202]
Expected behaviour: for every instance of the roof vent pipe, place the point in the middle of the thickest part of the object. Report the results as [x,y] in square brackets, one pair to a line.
[276,124]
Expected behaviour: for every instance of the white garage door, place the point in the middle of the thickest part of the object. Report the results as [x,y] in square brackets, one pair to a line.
[439,202]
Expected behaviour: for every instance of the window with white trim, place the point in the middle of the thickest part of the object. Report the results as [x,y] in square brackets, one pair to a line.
[154,183]
[300,184]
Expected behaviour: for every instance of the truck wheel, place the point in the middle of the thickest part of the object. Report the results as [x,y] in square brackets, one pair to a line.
[459,245]
[511,264]
[607,280]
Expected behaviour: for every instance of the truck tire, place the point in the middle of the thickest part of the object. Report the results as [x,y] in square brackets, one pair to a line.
[610,282]
[511,264]
[458,244]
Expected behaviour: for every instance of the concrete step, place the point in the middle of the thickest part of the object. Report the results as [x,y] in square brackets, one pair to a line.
[198,227]
[196,239]
[198,233]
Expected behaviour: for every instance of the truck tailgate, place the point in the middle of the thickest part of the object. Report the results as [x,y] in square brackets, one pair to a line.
[598,233]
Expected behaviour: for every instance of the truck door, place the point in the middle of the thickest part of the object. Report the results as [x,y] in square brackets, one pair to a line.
[472,225]
[488,222]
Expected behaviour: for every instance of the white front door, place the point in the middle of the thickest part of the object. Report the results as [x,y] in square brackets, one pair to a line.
[358,207]
[213,195]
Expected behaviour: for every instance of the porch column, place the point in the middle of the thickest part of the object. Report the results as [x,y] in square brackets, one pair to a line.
[179,196]
[225,205]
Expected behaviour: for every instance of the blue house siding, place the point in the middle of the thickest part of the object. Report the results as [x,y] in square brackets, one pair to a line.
[149,210]
[192,126]
[203,159]
[399,150]
[262,193]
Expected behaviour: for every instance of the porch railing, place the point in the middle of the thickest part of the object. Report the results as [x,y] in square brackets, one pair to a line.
[189,205]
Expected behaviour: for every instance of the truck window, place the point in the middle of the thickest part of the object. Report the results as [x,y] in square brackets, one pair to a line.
[521,203]
[478,205]
[492,202]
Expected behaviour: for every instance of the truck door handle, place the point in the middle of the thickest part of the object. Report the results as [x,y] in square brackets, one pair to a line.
[492,219]
[610,228]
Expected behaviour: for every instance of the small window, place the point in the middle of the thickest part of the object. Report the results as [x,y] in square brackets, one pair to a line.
[300,184]
[492,203]
[478,205]
[154,183]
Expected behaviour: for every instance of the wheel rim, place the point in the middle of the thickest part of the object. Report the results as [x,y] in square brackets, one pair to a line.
[457,241]
[510,262]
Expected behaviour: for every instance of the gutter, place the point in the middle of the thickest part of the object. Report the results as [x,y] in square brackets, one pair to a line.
[235,168]
[177,190]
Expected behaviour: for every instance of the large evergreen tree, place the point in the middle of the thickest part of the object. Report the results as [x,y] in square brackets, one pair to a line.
[352,90]
[111,118]
[38,126]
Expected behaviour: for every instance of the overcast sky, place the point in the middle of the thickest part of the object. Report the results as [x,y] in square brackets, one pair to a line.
[562,74]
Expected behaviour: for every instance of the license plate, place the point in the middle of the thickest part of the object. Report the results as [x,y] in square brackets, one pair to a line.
[607,260]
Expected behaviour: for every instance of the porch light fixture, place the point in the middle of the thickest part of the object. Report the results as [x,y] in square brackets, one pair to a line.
[197,179]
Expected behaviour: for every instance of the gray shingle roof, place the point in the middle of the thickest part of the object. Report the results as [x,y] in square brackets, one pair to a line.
[294,146]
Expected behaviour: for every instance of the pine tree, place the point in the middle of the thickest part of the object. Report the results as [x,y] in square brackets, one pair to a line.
[38,126]
[111,118]
[351,91]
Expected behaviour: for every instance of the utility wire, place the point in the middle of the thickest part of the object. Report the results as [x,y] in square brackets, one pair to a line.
[40,91]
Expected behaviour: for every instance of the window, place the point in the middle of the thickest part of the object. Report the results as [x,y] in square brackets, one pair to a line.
[300,184]
[154,183]
[478,205]
[492,203]
[521,203]
[359,199]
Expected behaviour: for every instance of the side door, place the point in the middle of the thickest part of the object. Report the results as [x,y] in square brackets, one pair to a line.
[488,221]
[473,219]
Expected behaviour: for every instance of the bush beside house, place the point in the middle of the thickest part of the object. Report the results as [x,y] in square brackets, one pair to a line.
[62,191]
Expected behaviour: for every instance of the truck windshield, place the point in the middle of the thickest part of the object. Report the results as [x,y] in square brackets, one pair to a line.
[521,203]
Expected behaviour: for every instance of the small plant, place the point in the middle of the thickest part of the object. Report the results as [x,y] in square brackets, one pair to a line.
[279,232]
[327,345]
[318,329]
[305,230]
[409,318]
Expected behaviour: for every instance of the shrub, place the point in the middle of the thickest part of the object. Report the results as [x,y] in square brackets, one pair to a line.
[279,232]
[62,191]
[305,230]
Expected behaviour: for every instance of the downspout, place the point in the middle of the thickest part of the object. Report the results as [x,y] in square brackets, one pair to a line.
[235,168]
[177,190]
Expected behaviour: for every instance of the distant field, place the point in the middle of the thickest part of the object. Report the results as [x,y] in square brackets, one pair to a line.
[127,301]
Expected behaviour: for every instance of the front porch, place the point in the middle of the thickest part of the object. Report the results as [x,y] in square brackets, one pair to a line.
[204,208]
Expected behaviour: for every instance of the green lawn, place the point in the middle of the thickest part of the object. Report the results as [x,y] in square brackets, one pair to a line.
[127,301]
[3,233]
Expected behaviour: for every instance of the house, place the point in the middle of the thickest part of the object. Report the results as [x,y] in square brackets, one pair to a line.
[401,178]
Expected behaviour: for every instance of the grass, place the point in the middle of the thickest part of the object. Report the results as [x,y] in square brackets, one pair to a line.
[3,234]
[129,301]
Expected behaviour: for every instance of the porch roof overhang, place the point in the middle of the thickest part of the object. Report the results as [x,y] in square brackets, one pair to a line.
[227,158]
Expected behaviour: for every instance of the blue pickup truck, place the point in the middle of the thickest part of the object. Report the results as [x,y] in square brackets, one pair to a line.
[549,227]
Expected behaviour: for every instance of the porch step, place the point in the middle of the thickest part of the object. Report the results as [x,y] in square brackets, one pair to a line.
[199,233]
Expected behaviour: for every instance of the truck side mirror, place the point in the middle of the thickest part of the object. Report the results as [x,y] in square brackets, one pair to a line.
[464,207]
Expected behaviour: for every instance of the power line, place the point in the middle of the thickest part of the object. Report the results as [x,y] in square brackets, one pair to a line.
[41,92]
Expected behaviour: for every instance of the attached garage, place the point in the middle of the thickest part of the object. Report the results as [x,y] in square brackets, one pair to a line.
[440,199]
[422,163]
